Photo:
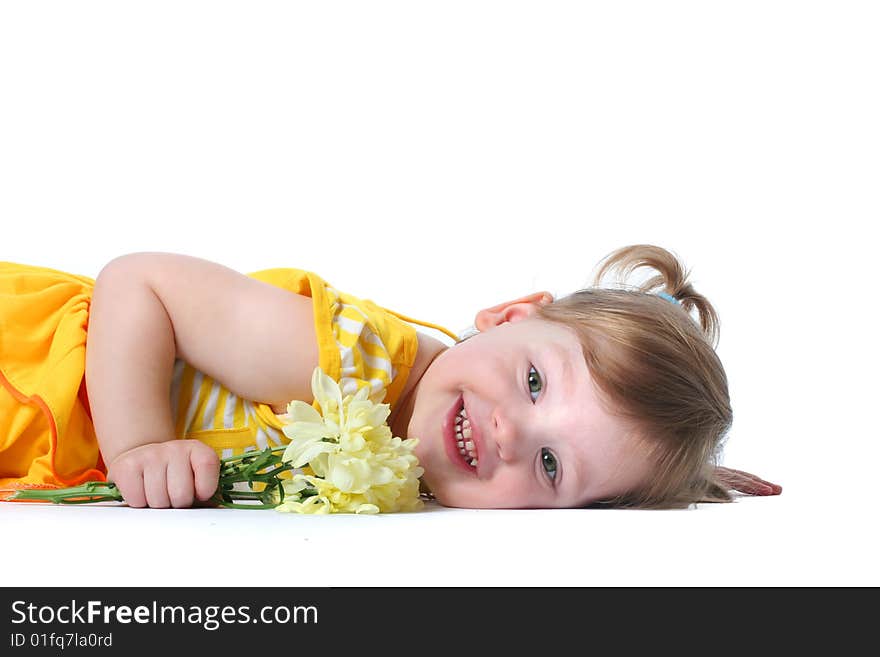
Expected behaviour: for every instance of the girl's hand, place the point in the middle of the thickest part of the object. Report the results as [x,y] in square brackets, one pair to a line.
[745,482]
[168,474]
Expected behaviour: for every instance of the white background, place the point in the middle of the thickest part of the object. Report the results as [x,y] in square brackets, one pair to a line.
[442,157]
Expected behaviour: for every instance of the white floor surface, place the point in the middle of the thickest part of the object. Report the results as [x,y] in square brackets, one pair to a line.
[788,540]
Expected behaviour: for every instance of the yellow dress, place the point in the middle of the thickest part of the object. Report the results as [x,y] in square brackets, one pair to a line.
[46,434]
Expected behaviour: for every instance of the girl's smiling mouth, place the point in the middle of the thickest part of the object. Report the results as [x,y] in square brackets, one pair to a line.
[458,438]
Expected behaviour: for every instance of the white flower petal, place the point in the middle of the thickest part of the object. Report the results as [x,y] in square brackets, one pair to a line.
[299,411]
[326,391]
[306,431]
[295,485]
[308,452]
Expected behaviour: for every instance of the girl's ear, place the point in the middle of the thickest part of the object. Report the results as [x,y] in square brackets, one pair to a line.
[511,311]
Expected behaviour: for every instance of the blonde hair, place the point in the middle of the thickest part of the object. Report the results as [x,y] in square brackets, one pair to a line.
[656,366]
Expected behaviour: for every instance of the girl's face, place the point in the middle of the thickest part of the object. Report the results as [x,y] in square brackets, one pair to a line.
[539,436]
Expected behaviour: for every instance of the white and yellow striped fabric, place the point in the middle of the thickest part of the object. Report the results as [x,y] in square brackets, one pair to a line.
[360,344]
[206,410]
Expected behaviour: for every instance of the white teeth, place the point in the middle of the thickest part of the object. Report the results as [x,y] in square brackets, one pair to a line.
[463,434]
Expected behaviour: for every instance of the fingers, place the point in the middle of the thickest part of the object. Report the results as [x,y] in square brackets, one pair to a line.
[746,482]
[206,471]
[179,483]
[130,482]
[756,488]
[156,485]
[169,474]
[756,485]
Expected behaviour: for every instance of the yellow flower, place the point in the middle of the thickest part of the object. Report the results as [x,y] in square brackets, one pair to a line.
[356,464]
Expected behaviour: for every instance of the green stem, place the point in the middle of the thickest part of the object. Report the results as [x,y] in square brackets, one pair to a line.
[264,467]
[91,491]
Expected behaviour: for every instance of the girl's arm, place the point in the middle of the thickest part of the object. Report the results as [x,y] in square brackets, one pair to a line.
[150,308]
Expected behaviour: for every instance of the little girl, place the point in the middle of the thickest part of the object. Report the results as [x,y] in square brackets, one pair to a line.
[612,396]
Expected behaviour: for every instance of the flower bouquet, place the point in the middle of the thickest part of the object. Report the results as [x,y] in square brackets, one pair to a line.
[343,459]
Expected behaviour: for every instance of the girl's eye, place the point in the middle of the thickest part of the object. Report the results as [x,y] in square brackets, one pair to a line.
[535,384]
[548,462]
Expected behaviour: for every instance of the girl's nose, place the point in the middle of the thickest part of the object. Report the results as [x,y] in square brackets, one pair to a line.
[504,433]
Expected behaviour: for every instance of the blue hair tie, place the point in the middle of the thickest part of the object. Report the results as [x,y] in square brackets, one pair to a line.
[669,297]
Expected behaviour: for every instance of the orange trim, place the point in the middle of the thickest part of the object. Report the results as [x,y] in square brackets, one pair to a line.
[88,475]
